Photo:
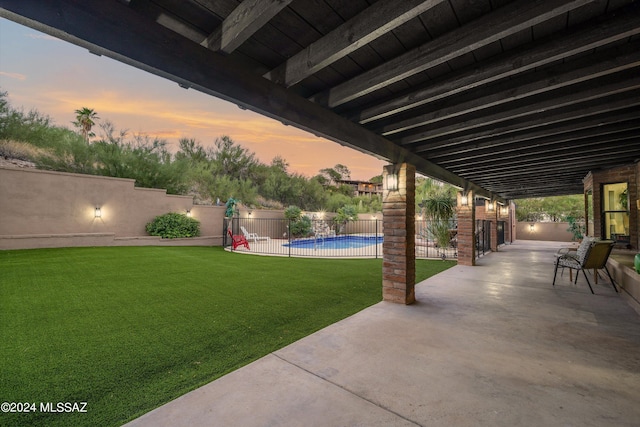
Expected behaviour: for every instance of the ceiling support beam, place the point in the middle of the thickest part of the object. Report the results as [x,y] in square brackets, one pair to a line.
[565,161]
[373,22]
[543,124]
[570,146]
[505,21]
[582,70]
[544,135]
[572,42]
[242,23]
[523,111]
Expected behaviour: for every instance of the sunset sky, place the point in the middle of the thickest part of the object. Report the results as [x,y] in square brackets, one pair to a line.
[56,78]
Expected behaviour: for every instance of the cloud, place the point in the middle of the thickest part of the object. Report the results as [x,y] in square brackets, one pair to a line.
[16,76]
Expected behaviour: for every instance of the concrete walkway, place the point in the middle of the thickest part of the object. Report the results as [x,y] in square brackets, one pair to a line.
[491,345]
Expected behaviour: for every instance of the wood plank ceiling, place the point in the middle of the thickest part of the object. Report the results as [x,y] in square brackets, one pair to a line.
[513,99]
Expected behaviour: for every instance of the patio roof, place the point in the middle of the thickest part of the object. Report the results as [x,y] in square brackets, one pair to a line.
[512,99]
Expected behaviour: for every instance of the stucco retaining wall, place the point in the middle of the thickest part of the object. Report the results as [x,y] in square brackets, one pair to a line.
[54,209]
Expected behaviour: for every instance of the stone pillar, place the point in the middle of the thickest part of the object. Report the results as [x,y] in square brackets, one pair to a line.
[466,229]
[398,249]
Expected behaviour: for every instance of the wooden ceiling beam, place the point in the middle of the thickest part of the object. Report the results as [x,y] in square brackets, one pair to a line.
[615,111]
[620,26]
[519,146]
[582,70]
[618,142]
[564,163]
[371,23]
[523,111]
[503,22]
[242,23]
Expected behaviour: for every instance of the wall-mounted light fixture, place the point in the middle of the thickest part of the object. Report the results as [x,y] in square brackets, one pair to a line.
[463,198]
[532,227]
[98,213]
[391,178]
[189,213]
[504,209]
[490,205]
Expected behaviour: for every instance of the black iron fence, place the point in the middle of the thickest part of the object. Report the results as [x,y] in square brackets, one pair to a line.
[306,238]
[436,239]
[328,238]
[483,237]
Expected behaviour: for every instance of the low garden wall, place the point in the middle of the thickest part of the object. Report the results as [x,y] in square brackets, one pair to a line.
[549,231]
[41,209]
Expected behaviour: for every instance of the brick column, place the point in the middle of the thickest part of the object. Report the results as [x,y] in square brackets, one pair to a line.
[492,215]
[466,230]
[398,249]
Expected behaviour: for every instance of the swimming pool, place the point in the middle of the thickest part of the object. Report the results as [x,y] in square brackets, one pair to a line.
[335,242]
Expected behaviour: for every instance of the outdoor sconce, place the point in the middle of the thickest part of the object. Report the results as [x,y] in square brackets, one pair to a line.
[531,227]
[189,213]
[464,198]
[249,213]
[504,210]
[490,205]
[391,179]
[98,213]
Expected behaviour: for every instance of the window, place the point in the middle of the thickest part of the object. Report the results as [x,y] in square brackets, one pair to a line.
[616,212]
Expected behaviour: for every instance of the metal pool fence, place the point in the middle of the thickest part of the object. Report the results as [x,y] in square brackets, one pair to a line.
[327,238]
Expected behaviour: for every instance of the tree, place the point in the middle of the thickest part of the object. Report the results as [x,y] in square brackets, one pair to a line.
[332,176]
[344,171]
[233,160]
[555,208]
[438,202]
[191,150]
[85,121]
[344,215]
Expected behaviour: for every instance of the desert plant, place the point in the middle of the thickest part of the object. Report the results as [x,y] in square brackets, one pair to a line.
[299,225]
[577,229]
[301,228]
[173,225]
[345,214]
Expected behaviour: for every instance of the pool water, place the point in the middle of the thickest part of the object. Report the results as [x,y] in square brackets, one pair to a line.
[337,242]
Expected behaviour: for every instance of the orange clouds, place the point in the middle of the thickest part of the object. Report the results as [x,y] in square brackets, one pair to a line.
[16,76]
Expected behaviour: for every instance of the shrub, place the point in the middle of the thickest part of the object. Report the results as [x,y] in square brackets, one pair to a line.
[299,225]
[293,213]
[173,225]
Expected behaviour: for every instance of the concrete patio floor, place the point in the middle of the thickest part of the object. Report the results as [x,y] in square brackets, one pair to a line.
[491,345]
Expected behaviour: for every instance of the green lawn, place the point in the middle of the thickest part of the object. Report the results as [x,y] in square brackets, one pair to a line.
[128,329]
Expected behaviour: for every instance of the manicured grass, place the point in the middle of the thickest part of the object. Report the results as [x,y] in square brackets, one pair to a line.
[128,329]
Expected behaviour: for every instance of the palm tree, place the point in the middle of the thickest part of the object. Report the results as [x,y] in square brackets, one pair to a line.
[85,120]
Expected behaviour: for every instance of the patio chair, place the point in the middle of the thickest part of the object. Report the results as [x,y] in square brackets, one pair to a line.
[238,240]
[254,236]
[591,255]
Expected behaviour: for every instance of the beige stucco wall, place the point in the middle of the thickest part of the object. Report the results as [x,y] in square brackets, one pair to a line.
[52,209]
[549,231]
